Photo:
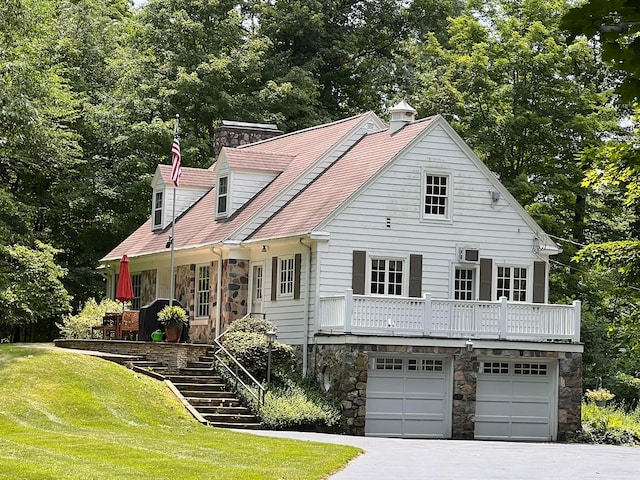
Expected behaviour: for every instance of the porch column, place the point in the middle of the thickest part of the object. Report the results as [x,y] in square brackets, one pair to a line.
[577,305]
[234,291]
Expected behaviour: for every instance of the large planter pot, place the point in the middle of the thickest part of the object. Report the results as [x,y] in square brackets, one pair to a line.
[173,331]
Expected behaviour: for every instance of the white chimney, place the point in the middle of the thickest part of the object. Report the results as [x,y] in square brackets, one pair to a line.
[401,114]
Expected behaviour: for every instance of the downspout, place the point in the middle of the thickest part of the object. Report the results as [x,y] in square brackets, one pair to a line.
[218,290]
[305,344]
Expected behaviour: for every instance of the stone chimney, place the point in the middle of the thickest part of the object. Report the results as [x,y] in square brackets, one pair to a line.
[234,134]
[401,115]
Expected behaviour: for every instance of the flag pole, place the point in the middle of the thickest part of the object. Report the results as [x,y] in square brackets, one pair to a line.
[173,217]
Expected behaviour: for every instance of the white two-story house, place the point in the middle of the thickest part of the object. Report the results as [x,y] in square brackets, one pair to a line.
[410,281]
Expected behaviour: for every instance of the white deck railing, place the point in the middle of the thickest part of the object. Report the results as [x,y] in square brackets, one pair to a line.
[425,316]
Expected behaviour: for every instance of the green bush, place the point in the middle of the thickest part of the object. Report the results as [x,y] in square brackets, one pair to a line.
[252,350]
[611,425]
[251,324]
[298,405]
[79,326]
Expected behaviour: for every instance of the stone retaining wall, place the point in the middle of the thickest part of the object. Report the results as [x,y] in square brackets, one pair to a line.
[174,355]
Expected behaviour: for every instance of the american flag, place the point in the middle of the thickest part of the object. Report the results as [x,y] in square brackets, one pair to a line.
[176,164]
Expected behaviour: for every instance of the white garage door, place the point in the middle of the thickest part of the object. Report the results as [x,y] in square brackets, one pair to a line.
[515,401]
[409,397]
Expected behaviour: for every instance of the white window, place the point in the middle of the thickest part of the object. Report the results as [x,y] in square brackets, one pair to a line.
[464,284]
[257,283]
[286,276]
[539,369]
[223,193]
[512,283]
[387,276]
[136,283]
[425,365]
[203,289]
[500,368]
[436,196]
[157,210]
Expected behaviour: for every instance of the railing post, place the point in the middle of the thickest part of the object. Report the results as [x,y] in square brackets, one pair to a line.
[427,314]
[577,305]
[502,318]
[348,309]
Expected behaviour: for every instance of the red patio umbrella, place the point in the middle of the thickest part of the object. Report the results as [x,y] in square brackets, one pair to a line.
[124,290]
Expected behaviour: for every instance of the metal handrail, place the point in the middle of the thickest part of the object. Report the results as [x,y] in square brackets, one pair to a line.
[238,367]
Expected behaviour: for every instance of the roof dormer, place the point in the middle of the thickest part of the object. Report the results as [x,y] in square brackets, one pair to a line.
[194,184]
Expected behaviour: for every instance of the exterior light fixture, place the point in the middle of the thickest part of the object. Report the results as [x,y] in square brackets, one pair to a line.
[169,242]
[469,345]
[271,338]
[264,249]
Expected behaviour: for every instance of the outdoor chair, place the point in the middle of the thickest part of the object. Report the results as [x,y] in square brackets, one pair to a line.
[129,326]
[110,327]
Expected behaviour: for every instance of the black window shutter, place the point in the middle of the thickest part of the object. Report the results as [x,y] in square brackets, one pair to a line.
[539,281]
[274,278]
[358,269]
[486,272]
[415,275]
[296,282]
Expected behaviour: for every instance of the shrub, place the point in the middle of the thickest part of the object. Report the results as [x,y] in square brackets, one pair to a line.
[610,425]
[251,324]
[599,395]
[299,405]
[252,350]
[79,326]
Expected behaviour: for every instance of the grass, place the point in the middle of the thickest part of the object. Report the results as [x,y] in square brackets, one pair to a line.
[70,416]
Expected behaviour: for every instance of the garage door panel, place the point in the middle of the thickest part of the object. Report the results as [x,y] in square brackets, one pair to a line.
[408,402]
[514,406]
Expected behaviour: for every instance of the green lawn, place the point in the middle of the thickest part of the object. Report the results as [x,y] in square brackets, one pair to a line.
[70,416]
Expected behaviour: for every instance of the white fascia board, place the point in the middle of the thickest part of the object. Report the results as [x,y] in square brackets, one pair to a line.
[351,339]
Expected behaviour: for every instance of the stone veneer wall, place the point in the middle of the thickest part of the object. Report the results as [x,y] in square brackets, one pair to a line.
[185,286]
[149,279]
[174,355]
[234,290]
[342,370]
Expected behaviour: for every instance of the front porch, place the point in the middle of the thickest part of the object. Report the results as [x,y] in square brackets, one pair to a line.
[428,317]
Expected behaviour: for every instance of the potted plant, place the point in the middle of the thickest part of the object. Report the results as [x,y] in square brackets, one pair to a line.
[173,318]
[600,396]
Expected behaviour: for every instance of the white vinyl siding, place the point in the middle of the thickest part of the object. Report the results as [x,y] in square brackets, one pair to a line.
[246,185]
[496,229]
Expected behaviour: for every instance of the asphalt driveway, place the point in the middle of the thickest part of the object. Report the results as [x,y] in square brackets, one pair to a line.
[395,459]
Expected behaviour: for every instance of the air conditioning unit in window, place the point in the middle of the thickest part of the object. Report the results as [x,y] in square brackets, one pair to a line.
[469,255]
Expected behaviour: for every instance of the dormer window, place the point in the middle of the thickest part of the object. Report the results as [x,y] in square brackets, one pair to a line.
[223,194]
[157,211]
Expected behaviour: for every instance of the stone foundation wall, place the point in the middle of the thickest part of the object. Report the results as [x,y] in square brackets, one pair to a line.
[174,355]
[342,371]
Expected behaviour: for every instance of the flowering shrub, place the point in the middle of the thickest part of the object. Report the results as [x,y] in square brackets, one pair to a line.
[599,395]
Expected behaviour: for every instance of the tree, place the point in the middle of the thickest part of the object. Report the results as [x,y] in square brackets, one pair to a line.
[31,289]
[616,26]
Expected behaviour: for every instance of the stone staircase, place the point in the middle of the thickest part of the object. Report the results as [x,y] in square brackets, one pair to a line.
[205,391]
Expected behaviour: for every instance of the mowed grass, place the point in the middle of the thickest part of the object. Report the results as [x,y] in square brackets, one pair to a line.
[71,416]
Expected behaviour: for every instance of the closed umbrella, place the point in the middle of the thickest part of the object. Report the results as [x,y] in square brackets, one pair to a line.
[124,290]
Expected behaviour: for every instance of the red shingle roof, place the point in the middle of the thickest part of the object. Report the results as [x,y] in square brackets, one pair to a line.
[252,160]
[197,226]
[191,177]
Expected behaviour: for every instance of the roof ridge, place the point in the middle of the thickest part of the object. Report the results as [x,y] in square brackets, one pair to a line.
[304,130]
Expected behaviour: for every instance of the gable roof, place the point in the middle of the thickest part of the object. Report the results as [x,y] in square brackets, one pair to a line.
[252,160]
[190,177]
[198,227]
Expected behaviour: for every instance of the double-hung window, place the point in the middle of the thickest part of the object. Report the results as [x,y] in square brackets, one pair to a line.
[437,191]
[223,196]
[157,211]
[387,276]
[512,283]
[286,276]
[464,284]
[203,290]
